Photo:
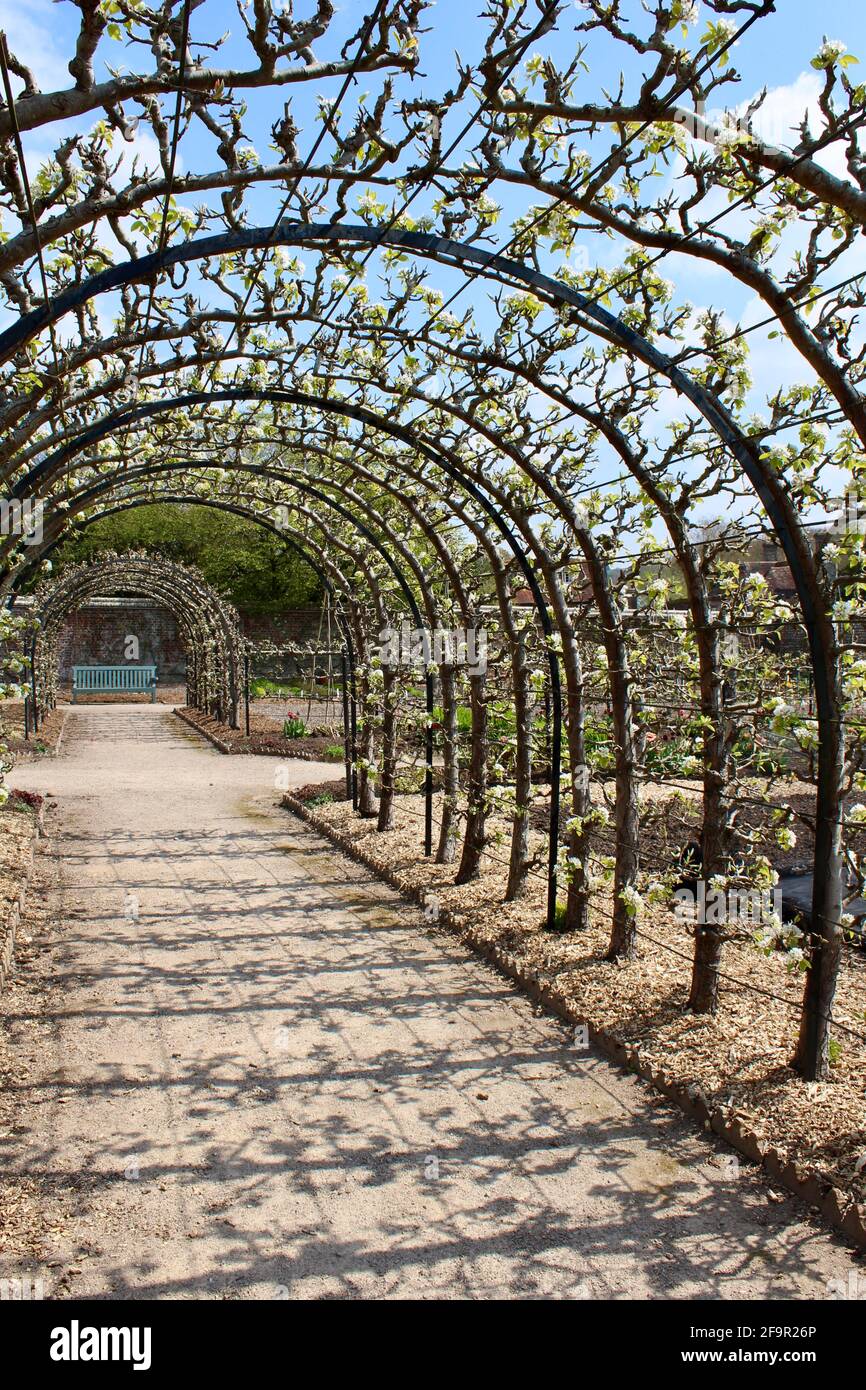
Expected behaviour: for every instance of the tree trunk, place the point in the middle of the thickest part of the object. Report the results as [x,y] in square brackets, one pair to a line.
[623,939]
[577,896]
[389,751]
[519,857]
[812,1058]
[366,751]
[716,832]
[476,813]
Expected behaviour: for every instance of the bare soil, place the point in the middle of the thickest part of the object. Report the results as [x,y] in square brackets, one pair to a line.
[266,736]
[40,743]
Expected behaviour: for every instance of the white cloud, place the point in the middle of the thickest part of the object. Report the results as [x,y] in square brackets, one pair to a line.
[35,35]
[778,120]
[145,150]
[781,114]
[42,34]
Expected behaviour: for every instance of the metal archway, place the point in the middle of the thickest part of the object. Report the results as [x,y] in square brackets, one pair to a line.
[770,490]
[443,460]
[205,619]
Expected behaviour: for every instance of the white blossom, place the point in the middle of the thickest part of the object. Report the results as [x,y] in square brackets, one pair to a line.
[830,52]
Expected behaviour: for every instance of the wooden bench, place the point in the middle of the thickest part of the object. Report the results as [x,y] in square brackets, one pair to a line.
[114,680]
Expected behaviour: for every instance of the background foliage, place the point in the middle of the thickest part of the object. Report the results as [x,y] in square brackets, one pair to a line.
[244,563]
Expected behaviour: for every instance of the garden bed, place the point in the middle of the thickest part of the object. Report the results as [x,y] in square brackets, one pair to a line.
[266,736]
[20,828]
[321,793]
[732,1070]
[45,741]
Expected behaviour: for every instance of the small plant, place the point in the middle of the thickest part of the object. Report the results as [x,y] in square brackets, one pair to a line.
[762,761]
[559,918]
[834,1051]
[294,726]
[321,799]
[410,780]
[335,750]
[25,801]
[262,689]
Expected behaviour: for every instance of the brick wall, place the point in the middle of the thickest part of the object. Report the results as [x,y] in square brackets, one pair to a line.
[95,635]
[295,625]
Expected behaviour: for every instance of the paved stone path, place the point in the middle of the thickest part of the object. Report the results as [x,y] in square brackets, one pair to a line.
[276,1081]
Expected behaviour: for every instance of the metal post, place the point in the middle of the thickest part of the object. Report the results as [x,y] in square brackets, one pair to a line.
[547,743]
[428,768]
[555,766]
[811,710]
[347,737]
[247,693]
[26,718]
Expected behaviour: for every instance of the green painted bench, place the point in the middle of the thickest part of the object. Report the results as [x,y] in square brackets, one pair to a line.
[114,680]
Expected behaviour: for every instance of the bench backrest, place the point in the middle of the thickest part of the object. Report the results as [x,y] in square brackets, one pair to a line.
[104,678]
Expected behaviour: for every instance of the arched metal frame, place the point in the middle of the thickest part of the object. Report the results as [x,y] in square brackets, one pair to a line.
[442,459]
[195,618]
[403,584]
[827,899]
[202,615]
[74,500]
[309,558]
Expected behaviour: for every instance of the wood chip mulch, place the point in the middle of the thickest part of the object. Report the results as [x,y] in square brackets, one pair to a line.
[17,833]
[22,1227]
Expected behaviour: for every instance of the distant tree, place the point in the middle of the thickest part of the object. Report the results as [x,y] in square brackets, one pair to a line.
[245,563]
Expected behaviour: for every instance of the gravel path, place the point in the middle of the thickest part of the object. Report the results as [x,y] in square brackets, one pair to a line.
[257,1074]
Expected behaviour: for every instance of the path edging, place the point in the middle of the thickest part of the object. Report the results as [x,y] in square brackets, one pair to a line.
[836,1206]
[9,926]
